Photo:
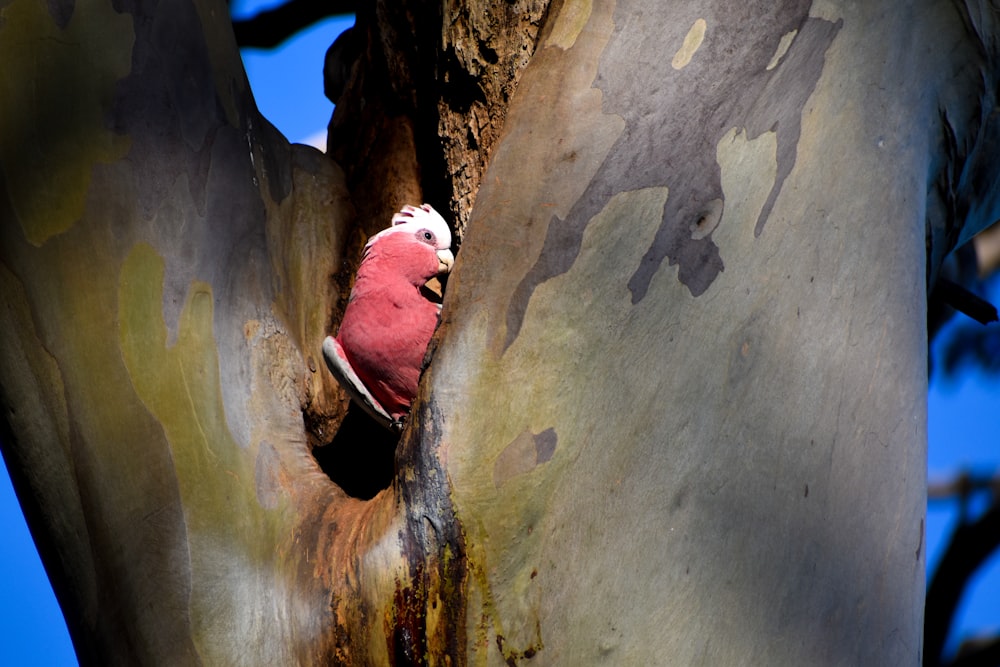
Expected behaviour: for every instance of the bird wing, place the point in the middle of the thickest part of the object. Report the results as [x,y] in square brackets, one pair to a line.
[336,361]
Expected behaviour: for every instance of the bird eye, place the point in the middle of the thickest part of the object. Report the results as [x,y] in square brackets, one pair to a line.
[426,236]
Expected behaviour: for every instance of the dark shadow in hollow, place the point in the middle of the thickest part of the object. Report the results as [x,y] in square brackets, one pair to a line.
[361,457]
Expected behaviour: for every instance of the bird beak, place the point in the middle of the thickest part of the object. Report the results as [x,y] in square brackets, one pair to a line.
[445,261]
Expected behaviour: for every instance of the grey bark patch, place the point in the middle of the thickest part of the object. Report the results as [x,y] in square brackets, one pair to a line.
[545,445]
[675,119]
[190,162]
[779,107]
[524,454]
[267,476]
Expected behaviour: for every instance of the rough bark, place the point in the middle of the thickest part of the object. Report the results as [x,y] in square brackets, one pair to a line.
[441,77]
[675,410]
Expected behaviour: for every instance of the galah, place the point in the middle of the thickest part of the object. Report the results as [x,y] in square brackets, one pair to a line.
[387,325]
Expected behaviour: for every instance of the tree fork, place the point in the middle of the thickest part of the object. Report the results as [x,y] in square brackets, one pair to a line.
[721,470]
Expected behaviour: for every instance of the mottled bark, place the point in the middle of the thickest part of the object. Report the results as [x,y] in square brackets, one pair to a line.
[675,411]
[166,269]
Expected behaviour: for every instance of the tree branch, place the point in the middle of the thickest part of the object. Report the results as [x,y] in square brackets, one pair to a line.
[961,486]
[270,28]
[966,302]
[978,653]
[970,545]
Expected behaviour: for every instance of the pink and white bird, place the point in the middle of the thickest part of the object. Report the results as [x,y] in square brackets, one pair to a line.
[388,323]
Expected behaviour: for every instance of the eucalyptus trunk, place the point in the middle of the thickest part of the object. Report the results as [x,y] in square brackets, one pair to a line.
[675,410]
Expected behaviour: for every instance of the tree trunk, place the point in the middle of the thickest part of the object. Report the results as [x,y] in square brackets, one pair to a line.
[676,407]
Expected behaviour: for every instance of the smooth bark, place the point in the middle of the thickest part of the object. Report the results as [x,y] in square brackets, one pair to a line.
[675,412]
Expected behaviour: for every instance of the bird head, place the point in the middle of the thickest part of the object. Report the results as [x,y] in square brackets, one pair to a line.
[426,226]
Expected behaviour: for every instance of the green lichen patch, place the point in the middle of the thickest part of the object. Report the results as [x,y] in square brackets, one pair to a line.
[232,559]
[57,86]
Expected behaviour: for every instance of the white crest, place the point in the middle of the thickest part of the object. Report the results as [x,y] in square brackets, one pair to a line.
[412,219]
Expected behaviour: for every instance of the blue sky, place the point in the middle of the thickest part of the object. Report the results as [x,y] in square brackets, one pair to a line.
[963,420]
[963,433]
[288,85]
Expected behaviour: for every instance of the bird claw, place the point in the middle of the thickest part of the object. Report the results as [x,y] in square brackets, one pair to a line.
[341,368]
